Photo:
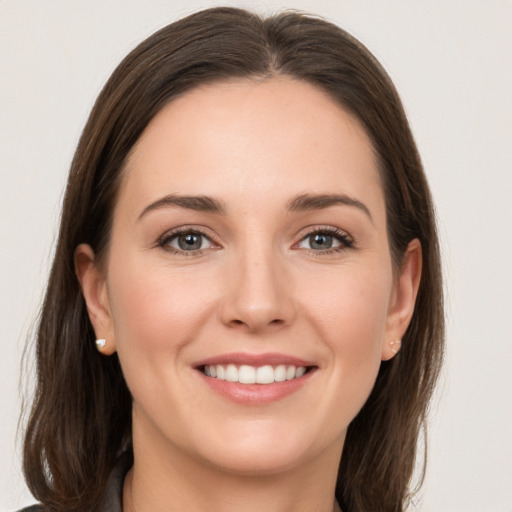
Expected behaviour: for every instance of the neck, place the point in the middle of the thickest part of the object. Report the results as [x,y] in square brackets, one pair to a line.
[169,480]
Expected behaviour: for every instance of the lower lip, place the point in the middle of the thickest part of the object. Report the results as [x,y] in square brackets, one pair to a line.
[256,394]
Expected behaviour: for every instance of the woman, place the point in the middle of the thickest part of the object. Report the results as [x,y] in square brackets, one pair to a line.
[245,306]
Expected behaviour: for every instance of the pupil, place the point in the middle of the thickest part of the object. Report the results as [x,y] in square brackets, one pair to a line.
[189,242]
[321,241]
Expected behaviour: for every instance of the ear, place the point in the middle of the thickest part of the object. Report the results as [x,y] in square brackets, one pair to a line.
[403,299]
[94,289]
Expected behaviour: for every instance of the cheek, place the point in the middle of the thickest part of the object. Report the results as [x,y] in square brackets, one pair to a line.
[350,318]
[155,309]
[352,309]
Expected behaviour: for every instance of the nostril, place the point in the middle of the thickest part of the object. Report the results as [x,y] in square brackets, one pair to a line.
[276,321]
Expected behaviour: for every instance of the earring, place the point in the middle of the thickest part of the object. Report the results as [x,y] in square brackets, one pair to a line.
[397,343]
[100,344]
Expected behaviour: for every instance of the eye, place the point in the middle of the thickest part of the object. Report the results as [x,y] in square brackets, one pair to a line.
[326,240]
[186,241]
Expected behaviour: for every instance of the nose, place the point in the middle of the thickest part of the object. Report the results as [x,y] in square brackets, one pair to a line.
[258,296]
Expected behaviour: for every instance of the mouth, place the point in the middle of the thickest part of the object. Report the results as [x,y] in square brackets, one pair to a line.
[255,379]
[247,374]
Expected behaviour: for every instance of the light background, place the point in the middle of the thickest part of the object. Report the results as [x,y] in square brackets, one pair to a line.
[452,63]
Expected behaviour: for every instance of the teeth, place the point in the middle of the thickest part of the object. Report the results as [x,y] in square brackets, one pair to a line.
[280,373]
[231,373]
[265,375]
[246,374]
[300,371]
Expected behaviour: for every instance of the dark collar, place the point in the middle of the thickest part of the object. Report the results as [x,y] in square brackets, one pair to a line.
[113,499]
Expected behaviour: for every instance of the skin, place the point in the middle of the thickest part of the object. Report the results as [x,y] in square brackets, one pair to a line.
[257,286]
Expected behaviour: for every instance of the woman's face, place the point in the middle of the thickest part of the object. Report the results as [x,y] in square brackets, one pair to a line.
[249,239]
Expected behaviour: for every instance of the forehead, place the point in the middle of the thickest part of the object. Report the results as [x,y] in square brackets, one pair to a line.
[269,138]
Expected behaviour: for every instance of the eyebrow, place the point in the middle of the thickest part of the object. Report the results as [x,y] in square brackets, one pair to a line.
[303,202]
[197,203]
[306,202]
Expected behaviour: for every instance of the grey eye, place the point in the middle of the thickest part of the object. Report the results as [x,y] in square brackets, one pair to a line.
[319,241]
[189,241]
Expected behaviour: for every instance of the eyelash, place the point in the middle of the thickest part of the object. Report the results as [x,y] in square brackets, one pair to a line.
[346,242]
[165,240]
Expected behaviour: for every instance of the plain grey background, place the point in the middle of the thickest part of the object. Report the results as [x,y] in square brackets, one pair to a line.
[452,64]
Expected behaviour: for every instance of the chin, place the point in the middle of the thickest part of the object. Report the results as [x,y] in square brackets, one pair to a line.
[262,453]
[257,463]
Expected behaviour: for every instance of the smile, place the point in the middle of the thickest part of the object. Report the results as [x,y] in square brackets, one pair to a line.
[255,379]
[246,374]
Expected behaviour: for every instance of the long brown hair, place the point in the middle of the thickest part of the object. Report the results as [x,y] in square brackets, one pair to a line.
[81,415]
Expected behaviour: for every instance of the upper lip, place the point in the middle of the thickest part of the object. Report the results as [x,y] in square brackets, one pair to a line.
[243,358]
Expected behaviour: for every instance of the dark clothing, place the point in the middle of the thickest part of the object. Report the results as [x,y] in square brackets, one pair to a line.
[112,500]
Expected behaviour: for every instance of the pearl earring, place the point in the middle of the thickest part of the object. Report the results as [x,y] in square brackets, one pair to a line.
[397,343]
[100,344]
